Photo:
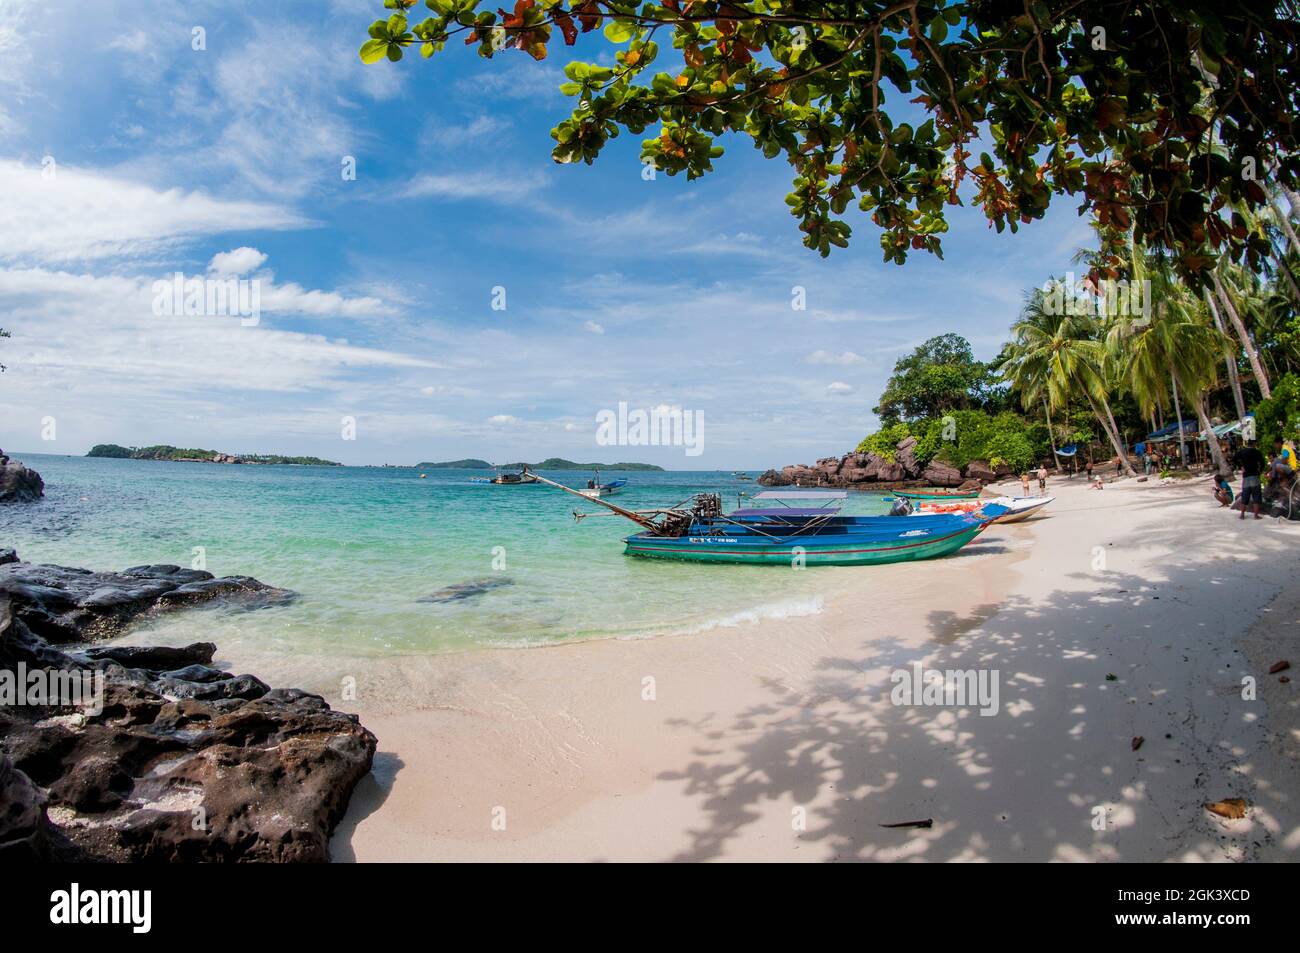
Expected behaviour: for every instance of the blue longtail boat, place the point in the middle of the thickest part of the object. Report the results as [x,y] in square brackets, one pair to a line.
[793,535]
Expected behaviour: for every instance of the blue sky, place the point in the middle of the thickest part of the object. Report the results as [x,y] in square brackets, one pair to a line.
[377,292]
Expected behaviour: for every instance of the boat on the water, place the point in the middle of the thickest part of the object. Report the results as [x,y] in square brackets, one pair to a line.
[937,493]
[783,534]
[595,488]
[1017,507]
[522,478]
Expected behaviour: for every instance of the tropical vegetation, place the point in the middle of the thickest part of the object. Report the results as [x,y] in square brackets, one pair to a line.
[168,452]
[1157,118]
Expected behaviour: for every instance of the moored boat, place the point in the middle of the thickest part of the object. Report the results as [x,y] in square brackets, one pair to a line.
[791,535]
[522,478]
[595,488]
[937,493]
[1017,507]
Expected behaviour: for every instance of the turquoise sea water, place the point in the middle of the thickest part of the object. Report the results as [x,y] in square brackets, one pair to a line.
[363,545]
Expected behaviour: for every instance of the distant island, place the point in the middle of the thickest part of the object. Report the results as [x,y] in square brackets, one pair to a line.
[456,465]
[190,455]
[550,463]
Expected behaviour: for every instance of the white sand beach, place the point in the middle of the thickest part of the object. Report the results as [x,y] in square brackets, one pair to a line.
[1134,611]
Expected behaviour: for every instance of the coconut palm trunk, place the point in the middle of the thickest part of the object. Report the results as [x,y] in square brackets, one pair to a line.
[1257,368]
[1107,422]
[1234,379]
[1178,416]
[1051,436]
[1211,441]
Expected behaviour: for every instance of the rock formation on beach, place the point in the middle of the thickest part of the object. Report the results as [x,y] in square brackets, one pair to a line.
[183,761]
[863,469]
[19,483]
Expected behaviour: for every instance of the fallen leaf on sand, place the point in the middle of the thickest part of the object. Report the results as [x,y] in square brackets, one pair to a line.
[928,822]
[1137,742]
[1233,808]
[1281,666]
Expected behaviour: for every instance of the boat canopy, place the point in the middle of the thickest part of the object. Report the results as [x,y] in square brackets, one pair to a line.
[802,495]
[782,511]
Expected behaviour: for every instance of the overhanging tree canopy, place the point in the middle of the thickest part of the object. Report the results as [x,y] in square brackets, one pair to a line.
[1158,116]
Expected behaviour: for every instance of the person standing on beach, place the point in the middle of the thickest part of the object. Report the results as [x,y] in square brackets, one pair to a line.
[1024,483]
[1252,464]
[1042,480]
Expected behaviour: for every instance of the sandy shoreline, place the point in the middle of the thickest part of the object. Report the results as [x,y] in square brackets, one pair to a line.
[778,740]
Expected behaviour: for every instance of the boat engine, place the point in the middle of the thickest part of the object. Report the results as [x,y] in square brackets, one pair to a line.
[707,506]
[902,507]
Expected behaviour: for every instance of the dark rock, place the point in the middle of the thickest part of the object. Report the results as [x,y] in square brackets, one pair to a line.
[63,604]
[23,825]
[19,484]
[890,472]
[938,473]
[980,470]
[773,478]
[177,760]
[8,556]
[905,456]
[158,658]
[466,590]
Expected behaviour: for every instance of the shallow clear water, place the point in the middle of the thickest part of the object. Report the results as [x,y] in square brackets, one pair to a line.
[363,545]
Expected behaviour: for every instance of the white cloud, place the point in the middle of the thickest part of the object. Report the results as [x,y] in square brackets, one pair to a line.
[503,420]
[830,357]
[506,188]
[292,298]
[839,387]
[459,135]
[287,126]
[85,333]
[237,261]
[593,327]
[76,215]
[134,42]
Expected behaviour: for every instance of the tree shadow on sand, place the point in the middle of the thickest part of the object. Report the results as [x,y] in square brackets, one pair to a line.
[1082,673]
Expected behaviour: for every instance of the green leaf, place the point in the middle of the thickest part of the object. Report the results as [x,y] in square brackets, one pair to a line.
[372,51]
[620,31]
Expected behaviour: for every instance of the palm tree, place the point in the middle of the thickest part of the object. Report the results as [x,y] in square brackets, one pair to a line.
[1175,351]
[1058,355]
[1229,305]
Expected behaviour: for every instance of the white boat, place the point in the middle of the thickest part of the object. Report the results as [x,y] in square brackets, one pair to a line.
[1018,507]
[595,489]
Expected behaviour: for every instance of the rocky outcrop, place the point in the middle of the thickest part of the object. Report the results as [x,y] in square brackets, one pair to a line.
[163,757]
[941,474]
[24,827]
[62,604]
[905,456]
[18,483]
[857,469]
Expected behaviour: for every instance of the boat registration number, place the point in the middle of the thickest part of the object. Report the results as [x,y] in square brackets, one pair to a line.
[712,539]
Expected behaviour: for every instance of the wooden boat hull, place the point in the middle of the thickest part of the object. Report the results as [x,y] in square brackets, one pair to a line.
[843,550]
